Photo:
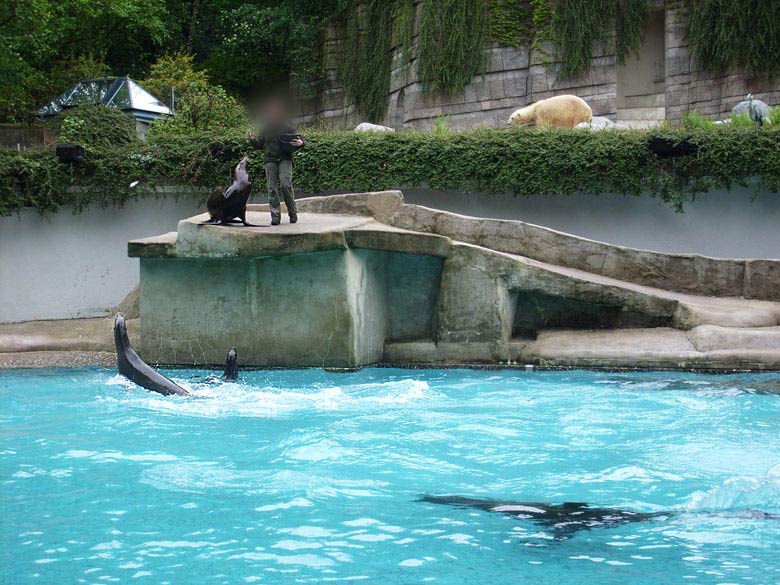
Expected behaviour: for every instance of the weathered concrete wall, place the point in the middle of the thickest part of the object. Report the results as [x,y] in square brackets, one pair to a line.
[712,94]
[678,272]
[413,284]
[741,223]
[284,311]
[76,265]
[321,308]
[68,266]
[365,278]
[517,76]
[367,291]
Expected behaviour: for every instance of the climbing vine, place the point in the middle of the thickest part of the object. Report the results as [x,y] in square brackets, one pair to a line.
[453,36]
[366,57]
[745,34]
[580,24]
[510,22]
[403,28]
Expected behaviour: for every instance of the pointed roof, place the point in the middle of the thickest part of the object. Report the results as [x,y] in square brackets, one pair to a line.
[117,92]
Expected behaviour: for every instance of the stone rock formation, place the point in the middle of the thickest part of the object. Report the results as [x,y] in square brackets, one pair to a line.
[601,123]
[366,278]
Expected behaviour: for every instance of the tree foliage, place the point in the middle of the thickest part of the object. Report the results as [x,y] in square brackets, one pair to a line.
[175,73]
[48,44]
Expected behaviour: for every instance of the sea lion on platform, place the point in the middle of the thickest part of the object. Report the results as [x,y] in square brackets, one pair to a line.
[230,207]
[131,366]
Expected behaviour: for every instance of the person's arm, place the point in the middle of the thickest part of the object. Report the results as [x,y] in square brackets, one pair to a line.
[257,141]
[299,142]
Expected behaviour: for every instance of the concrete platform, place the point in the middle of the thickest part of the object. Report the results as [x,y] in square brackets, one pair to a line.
[365,278]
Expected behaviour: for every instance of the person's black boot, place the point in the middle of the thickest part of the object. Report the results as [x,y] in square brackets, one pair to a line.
[294,218]
[276,219]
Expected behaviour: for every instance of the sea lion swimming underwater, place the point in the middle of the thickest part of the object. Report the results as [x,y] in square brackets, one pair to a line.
[568,518]
[230,207]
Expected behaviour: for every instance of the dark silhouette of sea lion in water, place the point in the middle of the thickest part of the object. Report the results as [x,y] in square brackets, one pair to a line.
[568,518]
[230,207]
[131,366]
[231,365]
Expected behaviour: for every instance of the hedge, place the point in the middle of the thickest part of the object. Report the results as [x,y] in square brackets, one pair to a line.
[519,161]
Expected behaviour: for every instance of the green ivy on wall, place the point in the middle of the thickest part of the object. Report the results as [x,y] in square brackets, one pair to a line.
[510,22]
[404,14]
[580,24]
[745,34]
[453,36]
[366,58]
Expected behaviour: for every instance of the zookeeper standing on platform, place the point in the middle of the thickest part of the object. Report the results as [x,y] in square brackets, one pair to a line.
[279,141]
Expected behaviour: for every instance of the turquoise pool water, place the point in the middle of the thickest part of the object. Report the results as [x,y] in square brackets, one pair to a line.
[309,477]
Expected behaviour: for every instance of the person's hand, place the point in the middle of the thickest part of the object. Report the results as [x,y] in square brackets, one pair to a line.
[297,142]
[250,134]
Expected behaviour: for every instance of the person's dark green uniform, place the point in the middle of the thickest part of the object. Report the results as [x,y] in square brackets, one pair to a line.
[278,169]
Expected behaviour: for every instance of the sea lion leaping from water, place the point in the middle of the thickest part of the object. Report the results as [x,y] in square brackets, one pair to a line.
[131,366]
[230,207]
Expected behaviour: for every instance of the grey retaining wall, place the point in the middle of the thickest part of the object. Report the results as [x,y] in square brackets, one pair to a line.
[77,265]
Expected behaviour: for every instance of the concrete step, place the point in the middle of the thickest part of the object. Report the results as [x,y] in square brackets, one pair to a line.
[93,334]
[713,338]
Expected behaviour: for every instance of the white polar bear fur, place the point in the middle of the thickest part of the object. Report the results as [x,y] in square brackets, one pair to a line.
[561,111]
[369,127]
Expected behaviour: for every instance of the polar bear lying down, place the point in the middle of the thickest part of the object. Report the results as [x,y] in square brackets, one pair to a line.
[561,111]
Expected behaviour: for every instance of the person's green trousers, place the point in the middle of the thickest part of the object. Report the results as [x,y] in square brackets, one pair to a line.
[279,175]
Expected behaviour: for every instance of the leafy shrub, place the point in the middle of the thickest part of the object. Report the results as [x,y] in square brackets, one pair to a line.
[441,126]
[97,128]
[774,116]
[742,120]
[693,120]
[537,162]
[201,111]
[519,161]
